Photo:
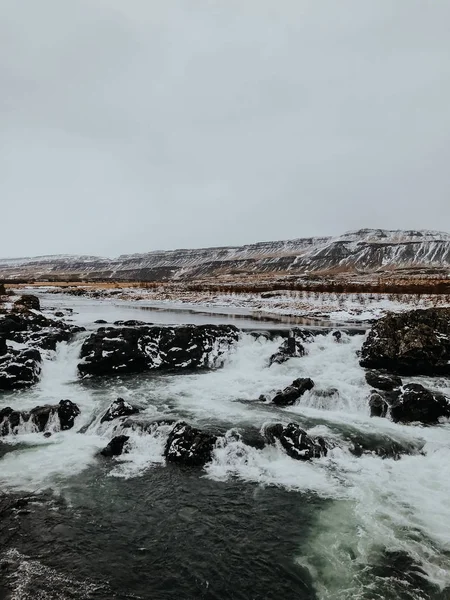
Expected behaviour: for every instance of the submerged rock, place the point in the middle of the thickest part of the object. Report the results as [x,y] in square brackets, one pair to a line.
[189,446]
[410,343]
[39,417]
[293,392]
[143,348]
[19,368]
[119,408]
[417,403]
[115,446]
[295,441]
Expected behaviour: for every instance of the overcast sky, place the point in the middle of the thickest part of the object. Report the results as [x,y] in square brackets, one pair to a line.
[133,125]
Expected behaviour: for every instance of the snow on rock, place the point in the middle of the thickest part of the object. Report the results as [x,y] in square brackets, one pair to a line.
[142,348]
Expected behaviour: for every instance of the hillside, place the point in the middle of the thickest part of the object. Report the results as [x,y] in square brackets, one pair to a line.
[363,251]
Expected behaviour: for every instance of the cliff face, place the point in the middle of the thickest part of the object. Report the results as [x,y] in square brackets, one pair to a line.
[366,250]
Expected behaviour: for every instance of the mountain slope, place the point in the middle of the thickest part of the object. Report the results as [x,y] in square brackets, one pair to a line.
[366,250]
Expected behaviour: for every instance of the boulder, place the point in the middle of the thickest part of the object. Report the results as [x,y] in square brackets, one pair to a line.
[66,411]
[27,302]
[293,392]
[3,346]
[378,405]
[115,446]
[100,322]
[380,381]
[19,368]
[410,343]
[143,348]
[416,403]
[119,408]
[295,441]
[59,314]
[189,446]
[291,347]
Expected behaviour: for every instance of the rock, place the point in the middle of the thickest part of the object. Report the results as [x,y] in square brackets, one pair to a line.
[3,346]
[59,314]
[380,381]
[39,416]
[378,405]
[293,392]
[27,301]
[295,441]
[143,348]
[189,446]
[19,368]
[119,408]
[146,425]
[48,434]
[291,347]
[410,343]
[100,322]
[416,403]
[337,335]
[115,446]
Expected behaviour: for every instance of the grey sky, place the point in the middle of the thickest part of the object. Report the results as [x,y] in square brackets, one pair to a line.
[127,126]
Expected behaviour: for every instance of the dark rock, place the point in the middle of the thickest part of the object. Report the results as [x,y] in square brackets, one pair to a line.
[67,411]
[59,314]
[40,416]
[380,381]
[189,446]
[100,322]
[384,446]
[47,434]
[416,403]
[295,441]
[327,393]
[378,405]
[119,408]
[147,426]
[3,346]
[293,392]
[115,446]
[143,348]
[19,368]
[291,347]
[410,343]
[28,301]
[337,335]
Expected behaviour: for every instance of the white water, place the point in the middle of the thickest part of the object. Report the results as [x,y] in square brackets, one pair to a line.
[374,503]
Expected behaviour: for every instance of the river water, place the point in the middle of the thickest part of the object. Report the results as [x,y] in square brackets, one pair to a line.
[253,524]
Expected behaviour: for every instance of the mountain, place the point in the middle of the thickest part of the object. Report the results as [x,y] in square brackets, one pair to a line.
[363,251]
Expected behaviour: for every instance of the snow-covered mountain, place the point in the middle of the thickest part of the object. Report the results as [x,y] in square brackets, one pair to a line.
[366,250]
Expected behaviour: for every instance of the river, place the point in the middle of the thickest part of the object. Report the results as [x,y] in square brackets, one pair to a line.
[253,524]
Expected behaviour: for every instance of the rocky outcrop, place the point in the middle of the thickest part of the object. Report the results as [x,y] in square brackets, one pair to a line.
[18,368]
[119,408]
[189,446]
[36,330]
[295,441]
[27,302]
[138,349]
[39,418]
[116,446]
[410,343]
[415,403]
[293,392]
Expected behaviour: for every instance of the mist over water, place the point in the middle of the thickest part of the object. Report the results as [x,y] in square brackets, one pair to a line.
[253,523]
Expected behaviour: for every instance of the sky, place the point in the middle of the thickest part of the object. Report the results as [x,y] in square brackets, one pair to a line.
[129,126]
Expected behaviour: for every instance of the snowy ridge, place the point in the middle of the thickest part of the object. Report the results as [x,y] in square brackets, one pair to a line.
[366,250]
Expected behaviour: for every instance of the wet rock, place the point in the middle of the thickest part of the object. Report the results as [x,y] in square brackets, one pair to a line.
[416,403]
[119,408]
[378,405]
[295,441]
[143,348]
[115,446]
[100,322]
[293,392]
[3,346]
[147,426]
[19,368]
[410,343]
[380,381]
[39,417]
[337,335]
[189,446]
[291,347]
[384,446]
[48,434]
[28,302]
